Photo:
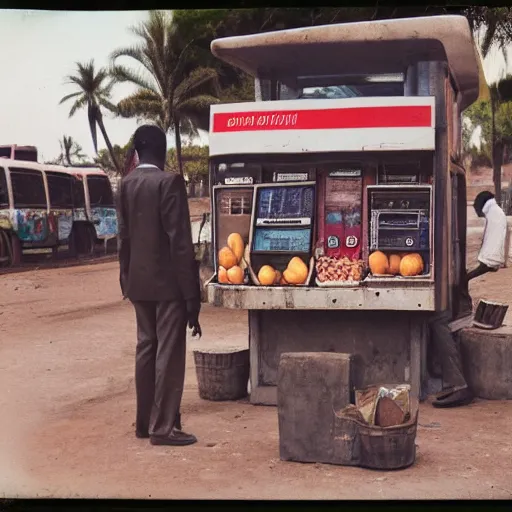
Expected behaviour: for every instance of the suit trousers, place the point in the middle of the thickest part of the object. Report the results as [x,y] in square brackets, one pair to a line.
[159,364]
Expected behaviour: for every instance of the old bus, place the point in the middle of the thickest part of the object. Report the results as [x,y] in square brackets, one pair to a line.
[46,207]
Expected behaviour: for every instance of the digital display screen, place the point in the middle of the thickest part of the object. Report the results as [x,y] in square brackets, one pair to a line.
[285,202]
[282,239]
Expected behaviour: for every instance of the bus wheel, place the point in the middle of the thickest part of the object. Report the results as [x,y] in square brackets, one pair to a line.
[5,249]
[10,249]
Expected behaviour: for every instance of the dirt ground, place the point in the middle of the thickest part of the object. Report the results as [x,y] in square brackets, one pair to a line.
[67,345]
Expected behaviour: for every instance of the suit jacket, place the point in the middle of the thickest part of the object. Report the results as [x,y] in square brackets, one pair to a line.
[156,254]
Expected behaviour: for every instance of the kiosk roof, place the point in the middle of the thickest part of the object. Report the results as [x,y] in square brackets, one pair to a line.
[370,47]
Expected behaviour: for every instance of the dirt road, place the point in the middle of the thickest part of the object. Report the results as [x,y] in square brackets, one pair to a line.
[67,402]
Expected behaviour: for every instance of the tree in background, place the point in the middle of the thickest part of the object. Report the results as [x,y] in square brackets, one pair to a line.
[494,117]
[170,92]
[204,25]
[195,163]
[94,92]
[501,126]
[104,161]
[493,25]
[71,152]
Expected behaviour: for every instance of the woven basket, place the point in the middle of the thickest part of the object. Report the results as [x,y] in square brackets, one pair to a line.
[390,447]
[373,447]
[222,375]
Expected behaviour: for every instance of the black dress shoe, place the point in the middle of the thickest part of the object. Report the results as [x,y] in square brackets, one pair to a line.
[176,438]
[141,435]
[456,398]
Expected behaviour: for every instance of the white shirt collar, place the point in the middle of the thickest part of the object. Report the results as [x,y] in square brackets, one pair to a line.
[149,165]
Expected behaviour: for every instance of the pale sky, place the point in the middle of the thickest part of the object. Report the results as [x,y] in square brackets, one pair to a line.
[39,48]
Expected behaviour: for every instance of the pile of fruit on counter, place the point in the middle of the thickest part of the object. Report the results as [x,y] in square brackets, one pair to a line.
[406,265]
[232,263]
[332,269]
[296,273]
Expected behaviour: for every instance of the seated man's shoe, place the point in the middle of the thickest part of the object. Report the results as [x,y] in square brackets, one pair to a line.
[176,438]
[453,398]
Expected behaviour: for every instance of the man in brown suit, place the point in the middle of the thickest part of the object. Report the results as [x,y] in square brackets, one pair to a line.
[159,275]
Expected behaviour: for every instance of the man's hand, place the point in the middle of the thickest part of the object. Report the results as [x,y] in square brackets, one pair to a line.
[193,309]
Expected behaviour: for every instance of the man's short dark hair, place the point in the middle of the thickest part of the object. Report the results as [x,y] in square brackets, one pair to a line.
[481,199]
[149,139]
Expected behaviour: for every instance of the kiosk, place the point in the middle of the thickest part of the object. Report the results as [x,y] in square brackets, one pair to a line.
[348,161]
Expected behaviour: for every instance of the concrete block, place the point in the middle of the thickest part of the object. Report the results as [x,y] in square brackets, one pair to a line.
[311,386]
[487,361]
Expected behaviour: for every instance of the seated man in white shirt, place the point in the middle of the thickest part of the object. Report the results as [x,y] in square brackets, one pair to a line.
[492,253]
[490,259]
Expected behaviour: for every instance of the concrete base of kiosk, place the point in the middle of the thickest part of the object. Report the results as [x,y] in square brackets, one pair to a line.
[387,346]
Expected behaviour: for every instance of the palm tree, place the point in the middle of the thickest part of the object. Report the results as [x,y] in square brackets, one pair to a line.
[94,92]
[168,94]
[500,92]
[70,149]
[494,25]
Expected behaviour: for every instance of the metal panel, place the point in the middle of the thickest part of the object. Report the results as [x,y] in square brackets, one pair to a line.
[301,126]
[431,82]
[257,90]
[411,296]
[380,46]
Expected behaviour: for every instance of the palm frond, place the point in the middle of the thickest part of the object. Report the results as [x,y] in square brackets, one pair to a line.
[122,74]
[196,82]
[99,78]
[79,103]
[198,103]
[177,73]
[488,38]
[156,40]
[111,107]
[69,96]
[142,103]
[77,80]
[144,58]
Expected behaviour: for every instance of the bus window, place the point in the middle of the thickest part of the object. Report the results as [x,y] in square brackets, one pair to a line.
[60,189]
[100,191]
[4,195]
[78,193]
[5,152]
[27,188]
